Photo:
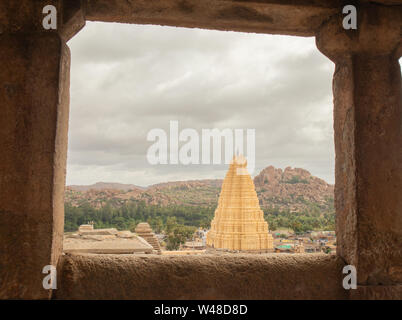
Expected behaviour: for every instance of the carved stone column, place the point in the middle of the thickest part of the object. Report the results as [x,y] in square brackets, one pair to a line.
[34,104]
[368,145]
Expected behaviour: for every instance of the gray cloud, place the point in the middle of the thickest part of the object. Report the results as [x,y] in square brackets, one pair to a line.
[129,79]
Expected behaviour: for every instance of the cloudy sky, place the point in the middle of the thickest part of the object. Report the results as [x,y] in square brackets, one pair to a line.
[129,79]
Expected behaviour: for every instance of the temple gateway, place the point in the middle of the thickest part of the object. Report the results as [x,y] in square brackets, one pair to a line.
[239,224]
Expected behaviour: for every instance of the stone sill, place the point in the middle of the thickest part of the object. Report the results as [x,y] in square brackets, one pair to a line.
[240,276]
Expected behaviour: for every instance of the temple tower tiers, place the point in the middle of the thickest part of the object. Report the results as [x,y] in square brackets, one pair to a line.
[144,230]
[239,221]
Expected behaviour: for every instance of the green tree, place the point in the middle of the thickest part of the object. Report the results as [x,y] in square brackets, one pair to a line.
[179,234]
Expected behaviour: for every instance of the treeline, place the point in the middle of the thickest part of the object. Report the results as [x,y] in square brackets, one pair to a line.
[131,213]
[168,219]
[314,217]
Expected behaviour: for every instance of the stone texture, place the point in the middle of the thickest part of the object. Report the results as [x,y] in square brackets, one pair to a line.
[239,222]
[27,16]
[301,18]
[73,18]
[264,276]
[34,101]
[392,292]
[368,140]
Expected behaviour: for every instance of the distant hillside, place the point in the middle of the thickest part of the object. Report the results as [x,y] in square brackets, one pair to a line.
[105,186]
[290,189]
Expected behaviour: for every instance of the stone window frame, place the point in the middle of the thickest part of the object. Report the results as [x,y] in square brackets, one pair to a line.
[367,111]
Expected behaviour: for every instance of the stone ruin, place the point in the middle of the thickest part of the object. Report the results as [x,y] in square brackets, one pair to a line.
[85,228]
[102,241]
[144,230]
[110,240]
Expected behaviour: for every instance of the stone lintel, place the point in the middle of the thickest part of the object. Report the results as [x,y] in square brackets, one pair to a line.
[34,101]
[232,276]
[300,18]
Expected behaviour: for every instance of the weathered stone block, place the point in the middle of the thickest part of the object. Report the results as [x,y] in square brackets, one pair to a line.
[34,101]
[368,142]
[240,276]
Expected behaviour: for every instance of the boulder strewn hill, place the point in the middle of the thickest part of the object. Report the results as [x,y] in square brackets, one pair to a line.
[289,189]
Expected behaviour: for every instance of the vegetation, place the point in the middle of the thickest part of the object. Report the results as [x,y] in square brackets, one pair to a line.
[177,233]
[315,217]
[296,179]
[179,222]
[131,213]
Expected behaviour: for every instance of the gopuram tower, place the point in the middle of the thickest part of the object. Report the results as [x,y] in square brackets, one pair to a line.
[239,222]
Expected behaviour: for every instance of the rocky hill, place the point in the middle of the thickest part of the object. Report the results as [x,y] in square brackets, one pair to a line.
[106,186]
[289,189]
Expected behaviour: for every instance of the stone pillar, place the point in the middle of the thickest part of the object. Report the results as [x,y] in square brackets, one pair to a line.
[34,104]
[368,143]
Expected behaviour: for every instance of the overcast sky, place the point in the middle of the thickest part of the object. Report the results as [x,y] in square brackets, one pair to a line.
[129,79]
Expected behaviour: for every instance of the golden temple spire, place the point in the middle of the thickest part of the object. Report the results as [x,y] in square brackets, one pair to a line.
[239,221]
